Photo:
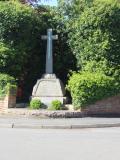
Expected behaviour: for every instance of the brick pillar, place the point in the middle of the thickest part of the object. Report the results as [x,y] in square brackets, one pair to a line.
[12,98]
[3,104]
[11,101]
[8,101]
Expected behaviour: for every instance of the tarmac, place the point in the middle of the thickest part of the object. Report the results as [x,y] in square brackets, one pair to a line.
[49,123]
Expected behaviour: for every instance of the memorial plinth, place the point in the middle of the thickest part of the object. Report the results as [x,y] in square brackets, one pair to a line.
[49,87]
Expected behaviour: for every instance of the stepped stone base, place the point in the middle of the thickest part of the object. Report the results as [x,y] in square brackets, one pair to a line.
[49,88]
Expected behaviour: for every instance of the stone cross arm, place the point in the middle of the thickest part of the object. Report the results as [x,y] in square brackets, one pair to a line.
[55,37]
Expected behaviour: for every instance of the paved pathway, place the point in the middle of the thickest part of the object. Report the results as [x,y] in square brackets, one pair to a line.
[25,122]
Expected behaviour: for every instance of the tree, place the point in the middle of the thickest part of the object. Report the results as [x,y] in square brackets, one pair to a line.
[64,60]
[32,2]
[22,52]
[95,35]
[94,38]
[21,47]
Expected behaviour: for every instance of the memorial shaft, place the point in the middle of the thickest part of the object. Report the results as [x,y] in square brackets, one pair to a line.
[49,55]
[49,52]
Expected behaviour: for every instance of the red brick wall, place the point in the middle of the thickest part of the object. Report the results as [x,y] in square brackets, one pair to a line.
[106,106]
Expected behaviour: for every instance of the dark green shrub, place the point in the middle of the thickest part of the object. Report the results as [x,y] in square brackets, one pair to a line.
[86,87]
[20,27]
[55,105]
[35,104]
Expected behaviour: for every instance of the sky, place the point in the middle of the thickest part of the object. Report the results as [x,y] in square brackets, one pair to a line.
[50,2]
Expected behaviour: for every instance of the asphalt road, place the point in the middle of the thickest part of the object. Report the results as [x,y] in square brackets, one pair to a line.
[86,144]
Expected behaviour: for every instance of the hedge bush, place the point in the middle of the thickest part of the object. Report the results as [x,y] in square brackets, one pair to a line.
[87,87]
[6,83]
[35,104]
[55,105]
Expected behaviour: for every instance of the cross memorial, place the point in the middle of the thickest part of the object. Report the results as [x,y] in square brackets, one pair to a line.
[49,87]
[49,53]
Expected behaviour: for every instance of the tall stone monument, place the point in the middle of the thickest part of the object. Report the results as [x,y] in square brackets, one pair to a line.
[49,87]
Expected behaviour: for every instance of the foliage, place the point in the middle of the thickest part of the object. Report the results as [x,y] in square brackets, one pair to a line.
[22,52]
[21,47]
[62,51]
[35,104]
[88,32]
[92,28]
[55,105]
[94,33]
[72,8]
[6,83]
[29,2]
[88,87]
[19,32]
[6,55]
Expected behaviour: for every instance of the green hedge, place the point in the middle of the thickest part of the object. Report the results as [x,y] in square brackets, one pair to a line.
[55,105]
[86,87]
[7,82]
[35,104]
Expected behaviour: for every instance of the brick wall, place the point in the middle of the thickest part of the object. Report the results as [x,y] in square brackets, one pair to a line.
[9,101]
[106,106]
[12,98]
[3,103]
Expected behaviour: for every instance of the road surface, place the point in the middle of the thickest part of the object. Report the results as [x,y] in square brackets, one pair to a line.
[81,144]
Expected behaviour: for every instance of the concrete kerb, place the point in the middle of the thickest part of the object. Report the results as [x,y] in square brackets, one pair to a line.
[6,126]
[23,126]
[35,120]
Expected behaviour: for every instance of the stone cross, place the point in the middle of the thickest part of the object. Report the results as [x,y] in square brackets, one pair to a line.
[49,55]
